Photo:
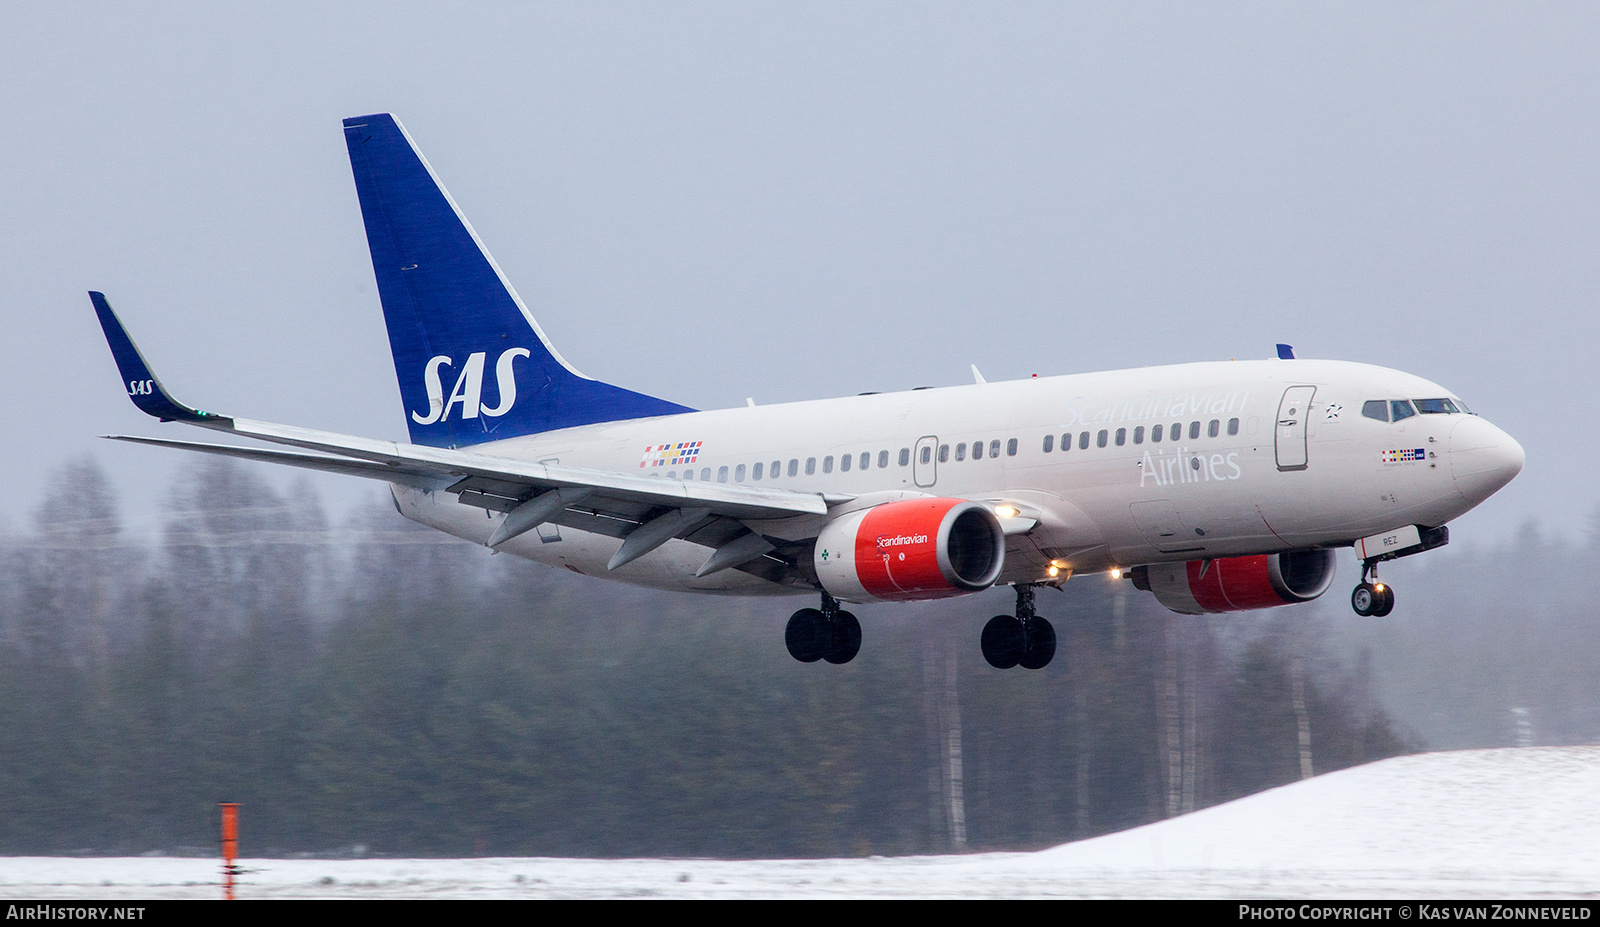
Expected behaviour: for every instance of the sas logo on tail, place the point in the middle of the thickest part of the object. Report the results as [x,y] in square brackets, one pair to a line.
[468,391]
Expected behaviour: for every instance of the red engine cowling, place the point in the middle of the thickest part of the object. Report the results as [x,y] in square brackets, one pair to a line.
[1236,584]
[915,549]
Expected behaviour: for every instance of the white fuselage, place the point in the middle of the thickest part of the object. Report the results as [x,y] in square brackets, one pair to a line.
[1253,457]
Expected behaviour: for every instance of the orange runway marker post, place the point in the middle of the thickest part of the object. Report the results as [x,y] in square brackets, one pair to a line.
[230,846]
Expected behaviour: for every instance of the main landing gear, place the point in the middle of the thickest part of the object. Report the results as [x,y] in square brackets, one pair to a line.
[1372,598]
[1024,640]
[828,633]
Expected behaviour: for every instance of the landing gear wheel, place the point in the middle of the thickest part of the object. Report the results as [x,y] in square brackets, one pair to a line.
[843,635]
[807,635]
[1002,642]
[1383,604]
[1041,645]
[1364,599]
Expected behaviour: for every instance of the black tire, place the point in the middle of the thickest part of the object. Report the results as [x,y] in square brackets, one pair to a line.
[1385,602]
[806,636]
[1002,642]
[1041,646]
[844,639]
[1364,599]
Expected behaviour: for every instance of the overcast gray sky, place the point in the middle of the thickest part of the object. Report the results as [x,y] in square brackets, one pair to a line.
[708,201]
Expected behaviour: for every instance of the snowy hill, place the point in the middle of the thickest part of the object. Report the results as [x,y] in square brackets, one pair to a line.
[1516,823]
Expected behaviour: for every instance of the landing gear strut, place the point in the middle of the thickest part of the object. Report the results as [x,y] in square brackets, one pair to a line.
[1371,598]
[1022,640]
[828,633]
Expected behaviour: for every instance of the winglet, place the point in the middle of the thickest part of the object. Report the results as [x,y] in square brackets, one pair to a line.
[143,388]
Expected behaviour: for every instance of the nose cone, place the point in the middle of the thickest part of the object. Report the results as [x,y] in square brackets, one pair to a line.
[1482,458]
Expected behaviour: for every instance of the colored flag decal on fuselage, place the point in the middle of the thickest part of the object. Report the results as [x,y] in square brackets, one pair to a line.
[1403,455]
[671,455]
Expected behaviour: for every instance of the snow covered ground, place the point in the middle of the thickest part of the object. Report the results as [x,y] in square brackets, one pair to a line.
[1519,823]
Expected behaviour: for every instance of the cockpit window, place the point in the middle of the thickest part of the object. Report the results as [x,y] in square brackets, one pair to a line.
[1376,408]
[1436,406]
[1401,408]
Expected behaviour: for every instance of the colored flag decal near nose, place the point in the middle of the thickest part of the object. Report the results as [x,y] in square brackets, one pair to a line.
[1404,455]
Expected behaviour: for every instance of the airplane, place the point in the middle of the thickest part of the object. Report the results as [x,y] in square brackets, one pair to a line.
[1215,486]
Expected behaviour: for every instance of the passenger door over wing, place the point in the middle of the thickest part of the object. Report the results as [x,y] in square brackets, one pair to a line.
[924,465]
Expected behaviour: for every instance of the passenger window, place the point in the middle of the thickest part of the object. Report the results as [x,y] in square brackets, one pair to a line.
[1376,408]
[845,462]
[1100,440]
[1066,442]
[794,466]
[1213,429]
[961,451]
[777,465]
[994,448]
[756,471]
[811,466]
[827,464]
[1122,436]
[688,474]
[977,450]
[1194,430]
[1155,434]
[1177,432]
[1233,427]
[944,453]
[883,459]
[705,474]
[738,474]
[672,474]
[1401,409]
[1138,435]
[1011,448]
[865,461]
[722,474]
[905,456]
[1050,443]
[1083,441]
[927,453]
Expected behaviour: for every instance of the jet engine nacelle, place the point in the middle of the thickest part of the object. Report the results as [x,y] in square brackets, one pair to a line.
[914,549]
[1235,584]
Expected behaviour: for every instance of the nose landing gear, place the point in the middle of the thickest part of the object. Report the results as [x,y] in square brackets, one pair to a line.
[1024,640]
[1371,598]
[828,633]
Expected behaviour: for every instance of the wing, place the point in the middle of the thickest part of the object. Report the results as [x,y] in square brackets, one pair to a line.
[644,511]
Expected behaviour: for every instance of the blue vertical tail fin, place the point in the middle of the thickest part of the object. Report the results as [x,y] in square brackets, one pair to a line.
[472,362]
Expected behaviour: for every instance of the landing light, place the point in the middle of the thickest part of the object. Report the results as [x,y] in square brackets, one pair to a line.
[1054,571]
[1007,511]
[1116,572]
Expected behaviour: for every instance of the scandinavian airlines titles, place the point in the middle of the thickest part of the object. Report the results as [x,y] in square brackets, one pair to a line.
[1081,410]
[1187,467]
